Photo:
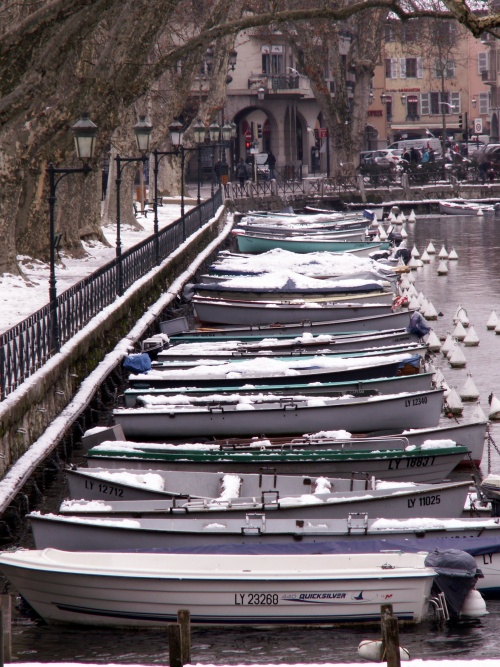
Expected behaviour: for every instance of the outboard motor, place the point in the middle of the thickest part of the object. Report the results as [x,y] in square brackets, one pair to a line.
[457,573]
[404,253]
[396,238]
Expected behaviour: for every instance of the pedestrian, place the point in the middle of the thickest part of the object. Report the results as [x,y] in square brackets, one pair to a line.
[407,156]
[414,155]
[425,157]
[432,155]
[484,168]
[241,171]
[271,161]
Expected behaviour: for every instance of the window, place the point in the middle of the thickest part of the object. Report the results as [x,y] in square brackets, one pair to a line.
[389,32]
[448,69]
[410,68]
[409,31]
[482,61]
[412,107]
[273,59]
[430,103]
[391,68]
[484,104]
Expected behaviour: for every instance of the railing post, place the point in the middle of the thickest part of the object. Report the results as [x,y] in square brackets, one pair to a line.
[174,645]
[184,620]
[6,642]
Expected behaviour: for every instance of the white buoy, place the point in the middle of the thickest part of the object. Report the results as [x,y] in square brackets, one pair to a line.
[433,342]
[497,329]
[477,415]
[492,320]
[426,258]
[420,296]
[453,254]
[423,306]
[448,344]
[440,381]
[459,332]
[411,277]
[412,217]
[402,217]
[471,338]
[371,649]
[457,357]
[404,233]
[413,304]
[494,402]
[376,238]
[442,269]
[414,252]
[382,234]
[469,391]
[430,312]
[413,263]
[479,212]
[443,253]
[461,316]
[453,403]
[431,249]
[411,290]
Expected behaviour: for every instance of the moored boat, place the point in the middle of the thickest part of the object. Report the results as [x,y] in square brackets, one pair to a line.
[138,589]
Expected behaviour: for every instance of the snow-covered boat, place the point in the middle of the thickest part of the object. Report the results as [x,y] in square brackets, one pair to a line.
[96,533]
[394,385]
[255,243]
[145,589]
[426,463]
[221,416]
[233,311]
[463,208]
[273,371]
[286,345]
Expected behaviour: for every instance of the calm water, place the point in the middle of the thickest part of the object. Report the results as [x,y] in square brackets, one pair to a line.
[474,282]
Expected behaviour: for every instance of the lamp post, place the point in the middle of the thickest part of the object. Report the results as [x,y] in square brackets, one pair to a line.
[142,130]
[84,132]
[452,108]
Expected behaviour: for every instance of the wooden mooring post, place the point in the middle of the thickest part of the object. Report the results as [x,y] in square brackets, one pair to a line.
[179,639]
[390,636]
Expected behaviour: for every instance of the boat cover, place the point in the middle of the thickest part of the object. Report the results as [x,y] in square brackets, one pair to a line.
[418,325]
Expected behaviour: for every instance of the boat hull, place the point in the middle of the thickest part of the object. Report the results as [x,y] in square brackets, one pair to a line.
[109,589]
[256,245]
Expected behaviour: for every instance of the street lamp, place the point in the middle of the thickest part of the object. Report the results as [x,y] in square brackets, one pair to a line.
[84,132]
[142,131]
[452,110]
[261,92]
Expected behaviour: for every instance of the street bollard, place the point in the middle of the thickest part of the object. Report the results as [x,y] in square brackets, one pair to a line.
[184,620]
[390,636]
[6,607]
[174,645]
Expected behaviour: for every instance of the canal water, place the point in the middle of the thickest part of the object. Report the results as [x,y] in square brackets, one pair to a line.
[472,282]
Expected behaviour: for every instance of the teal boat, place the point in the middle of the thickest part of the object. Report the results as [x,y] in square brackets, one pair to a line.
[258,244]
[423,464]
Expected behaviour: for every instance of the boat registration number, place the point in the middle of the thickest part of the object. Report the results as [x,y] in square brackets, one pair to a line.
[256,598]
[105,489]
[417,462]
[419,400]
[424,501]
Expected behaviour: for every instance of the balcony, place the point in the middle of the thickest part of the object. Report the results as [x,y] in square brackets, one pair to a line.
[279,83]
[412,117]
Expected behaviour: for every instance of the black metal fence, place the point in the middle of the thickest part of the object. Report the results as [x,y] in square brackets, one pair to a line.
[27,346]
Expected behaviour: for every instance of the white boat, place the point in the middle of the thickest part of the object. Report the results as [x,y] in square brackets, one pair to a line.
[219,416]
[463,208]
[145,589]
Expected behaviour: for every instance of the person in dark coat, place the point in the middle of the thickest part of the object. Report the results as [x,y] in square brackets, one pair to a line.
[271,161]
[241,171]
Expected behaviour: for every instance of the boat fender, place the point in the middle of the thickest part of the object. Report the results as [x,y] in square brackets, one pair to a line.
[372,650]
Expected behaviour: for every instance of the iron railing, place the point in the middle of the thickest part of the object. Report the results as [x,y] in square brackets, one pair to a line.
[27,346]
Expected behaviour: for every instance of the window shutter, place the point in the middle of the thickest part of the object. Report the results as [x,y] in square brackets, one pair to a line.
[394,68]
[482,61]
[484,104]
[420,69]
[402,68]
[424,104]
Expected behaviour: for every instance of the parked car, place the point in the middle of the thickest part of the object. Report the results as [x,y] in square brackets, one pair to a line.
[365,158]
[387,156]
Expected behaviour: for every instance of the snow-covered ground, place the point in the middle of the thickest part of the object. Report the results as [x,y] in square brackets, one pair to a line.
[411,663]
[20,297]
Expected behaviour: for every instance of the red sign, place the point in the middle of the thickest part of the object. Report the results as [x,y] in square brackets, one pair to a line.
[248,135]
[323,132]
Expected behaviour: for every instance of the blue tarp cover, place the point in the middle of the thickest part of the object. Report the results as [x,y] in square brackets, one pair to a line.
[139,363]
